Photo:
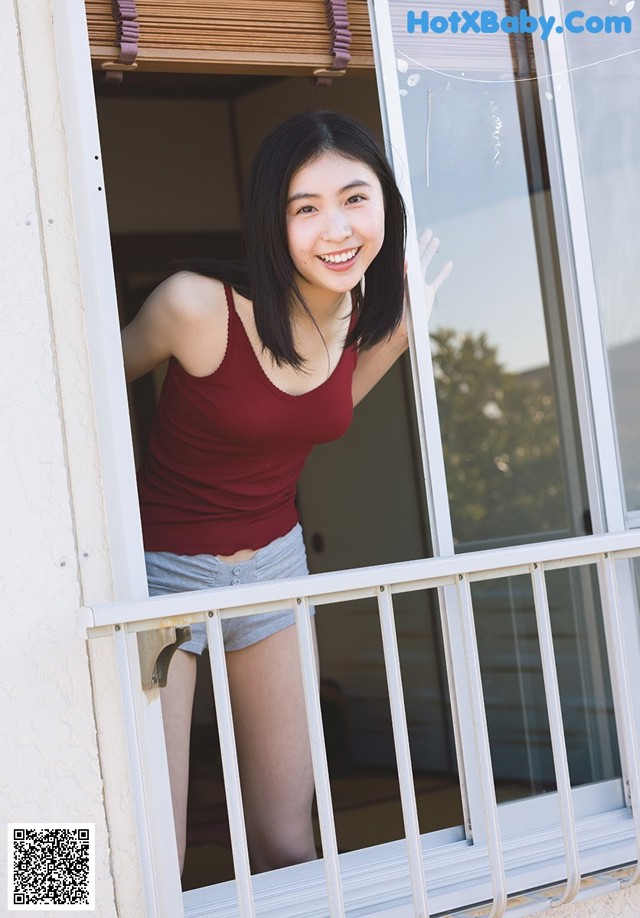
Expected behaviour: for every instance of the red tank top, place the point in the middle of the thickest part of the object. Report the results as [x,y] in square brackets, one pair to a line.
[226,451]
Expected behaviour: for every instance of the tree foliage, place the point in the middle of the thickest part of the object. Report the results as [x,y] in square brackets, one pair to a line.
[501,442]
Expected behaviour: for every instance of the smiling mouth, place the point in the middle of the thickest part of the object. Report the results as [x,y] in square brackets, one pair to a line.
[339,258]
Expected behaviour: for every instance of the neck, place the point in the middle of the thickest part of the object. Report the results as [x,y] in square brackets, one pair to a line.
[324,306]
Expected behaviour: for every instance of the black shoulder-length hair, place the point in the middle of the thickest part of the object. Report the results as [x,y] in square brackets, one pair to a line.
[268,277]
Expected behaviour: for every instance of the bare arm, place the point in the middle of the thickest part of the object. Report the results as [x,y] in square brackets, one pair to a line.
[374,363]
[170,320]
[147,340]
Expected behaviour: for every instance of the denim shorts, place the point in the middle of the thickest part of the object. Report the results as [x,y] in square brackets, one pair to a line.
[283,558]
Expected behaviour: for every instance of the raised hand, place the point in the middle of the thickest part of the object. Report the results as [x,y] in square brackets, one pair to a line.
[428,245]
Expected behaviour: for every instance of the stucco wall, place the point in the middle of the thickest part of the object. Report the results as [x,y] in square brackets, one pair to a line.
[623,904]
[52,532]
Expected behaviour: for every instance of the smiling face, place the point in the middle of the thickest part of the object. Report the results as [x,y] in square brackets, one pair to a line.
[335,226]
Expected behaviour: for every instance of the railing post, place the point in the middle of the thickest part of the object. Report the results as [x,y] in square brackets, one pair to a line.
[403,752]
[621,688]
[483,751]
[230,769]
[310,681]
[556,729]
[150,783]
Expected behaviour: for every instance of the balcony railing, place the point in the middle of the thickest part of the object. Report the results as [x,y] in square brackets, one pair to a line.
[420,875]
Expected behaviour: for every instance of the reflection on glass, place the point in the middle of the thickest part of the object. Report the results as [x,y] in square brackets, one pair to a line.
[605,80]
[500,438]
[357,722]
[514,688]
[471,109]
[474,174]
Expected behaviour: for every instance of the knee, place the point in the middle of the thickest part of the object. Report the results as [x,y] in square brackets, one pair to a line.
[282,849]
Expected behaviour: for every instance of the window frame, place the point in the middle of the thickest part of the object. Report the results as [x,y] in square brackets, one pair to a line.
[143,718]
[587,347]
[148,768]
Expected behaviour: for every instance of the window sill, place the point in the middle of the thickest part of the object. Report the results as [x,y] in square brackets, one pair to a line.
[376,880]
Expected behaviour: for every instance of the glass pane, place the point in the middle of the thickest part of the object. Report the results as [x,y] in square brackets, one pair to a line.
[357,720]
[606,89]
[514,687]
[479,179]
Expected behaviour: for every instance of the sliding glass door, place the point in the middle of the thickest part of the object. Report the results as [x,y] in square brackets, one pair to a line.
[467,112]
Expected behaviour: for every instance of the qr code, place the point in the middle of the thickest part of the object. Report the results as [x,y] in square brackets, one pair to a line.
[51,865]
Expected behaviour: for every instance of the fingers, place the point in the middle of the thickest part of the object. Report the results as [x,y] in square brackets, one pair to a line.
[423,241]
[441,276]
[428,245]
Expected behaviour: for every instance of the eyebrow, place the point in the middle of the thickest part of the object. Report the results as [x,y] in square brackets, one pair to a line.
[357,183]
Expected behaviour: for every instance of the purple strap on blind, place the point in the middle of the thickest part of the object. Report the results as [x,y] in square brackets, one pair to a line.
[338,20]
[125,14]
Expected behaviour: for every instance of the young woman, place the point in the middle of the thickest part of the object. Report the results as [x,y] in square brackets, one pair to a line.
[266,359]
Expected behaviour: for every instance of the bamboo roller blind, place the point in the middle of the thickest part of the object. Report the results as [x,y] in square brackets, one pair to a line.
[252,36]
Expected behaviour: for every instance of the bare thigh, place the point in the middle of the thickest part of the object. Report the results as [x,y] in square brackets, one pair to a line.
[274,753]
[177,706]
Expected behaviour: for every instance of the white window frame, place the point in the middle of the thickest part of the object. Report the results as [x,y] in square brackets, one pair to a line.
[392,879]
[456,861]
[587,341]
[143,716]
[588,352]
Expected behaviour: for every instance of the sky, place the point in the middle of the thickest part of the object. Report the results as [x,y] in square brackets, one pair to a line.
[468,166]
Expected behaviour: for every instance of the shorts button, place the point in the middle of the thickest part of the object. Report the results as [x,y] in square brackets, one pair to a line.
[235,581]
[236,571]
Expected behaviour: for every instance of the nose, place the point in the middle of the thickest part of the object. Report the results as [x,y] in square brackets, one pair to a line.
[337,228]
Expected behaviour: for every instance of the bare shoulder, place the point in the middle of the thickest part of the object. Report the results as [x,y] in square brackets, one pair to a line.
[185,317]
[189,298]
[198,310]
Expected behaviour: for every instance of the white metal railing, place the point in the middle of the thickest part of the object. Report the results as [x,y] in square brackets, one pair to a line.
[211,606]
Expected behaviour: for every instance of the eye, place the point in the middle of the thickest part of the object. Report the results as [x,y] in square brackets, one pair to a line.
[306,209]
[356,199]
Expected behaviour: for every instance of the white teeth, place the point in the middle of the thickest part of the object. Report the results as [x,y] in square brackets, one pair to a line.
[337,259]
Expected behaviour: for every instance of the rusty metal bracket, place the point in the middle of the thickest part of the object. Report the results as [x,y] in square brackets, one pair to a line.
[155,650]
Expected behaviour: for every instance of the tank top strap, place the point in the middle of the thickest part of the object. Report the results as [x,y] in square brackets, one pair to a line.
[236,327]
[230,304]
[236,332]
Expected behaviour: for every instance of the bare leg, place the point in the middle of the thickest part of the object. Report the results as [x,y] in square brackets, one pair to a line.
[177,707]
[273,750]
